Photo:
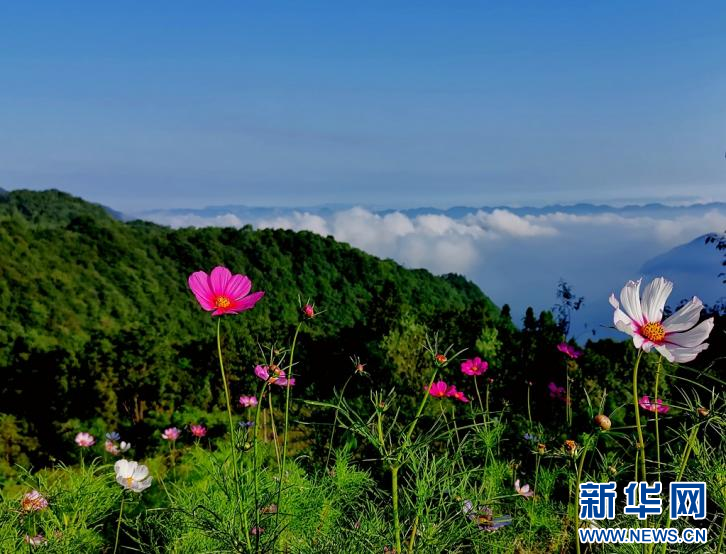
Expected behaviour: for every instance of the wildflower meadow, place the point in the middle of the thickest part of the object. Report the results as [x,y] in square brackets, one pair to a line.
[444,434]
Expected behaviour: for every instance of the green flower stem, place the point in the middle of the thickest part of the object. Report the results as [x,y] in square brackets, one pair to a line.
[255,462]
[335,420]
[396,522]
[577,495]
[641,442]
[415,527]
[684,462]
[655,400]
[529,407]
[232,444]
[118,525]
[421,406]
[721,535]
[274,430]
[476,387]
[288,376]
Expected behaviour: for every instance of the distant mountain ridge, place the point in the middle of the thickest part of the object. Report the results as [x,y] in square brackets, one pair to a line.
[253,213]
[696,263]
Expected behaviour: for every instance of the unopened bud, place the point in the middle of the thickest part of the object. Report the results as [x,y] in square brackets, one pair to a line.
[603,422]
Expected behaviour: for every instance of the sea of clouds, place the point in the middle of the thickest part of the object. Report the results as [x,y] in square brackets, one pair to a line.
[515,259]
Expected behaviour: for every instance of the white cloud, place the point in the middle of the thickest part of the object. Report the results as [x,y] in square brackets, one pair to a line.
[514,259]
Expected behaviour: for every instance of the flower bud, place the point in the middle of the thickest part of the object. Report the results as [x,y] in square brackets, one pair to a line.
[603,422]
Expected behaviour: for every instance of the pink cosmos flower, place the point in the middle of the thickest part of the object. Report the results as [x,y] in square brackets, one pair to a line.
[309,311]
[676,338]
[523,491]
[221,293]
[438,389]
[558,392]
[111,448]
[451,392]
[249,401]
[277,377]
[171,434]
[198,431]
[571,351]
[33,501]
[475,366]
[85,440]
[656,406]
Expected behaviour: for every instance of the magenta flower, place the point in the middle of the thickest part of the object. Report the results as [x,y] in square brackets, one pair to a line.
[558,393]
[111,448]
[656,406]
[171,434]
[277,377]
[221,293]
[309,311]
[475,366]
[571,351]
[248,401]
[85,440]
[438,389]
[33,501]
[524,490]
[198,431]
[451,392]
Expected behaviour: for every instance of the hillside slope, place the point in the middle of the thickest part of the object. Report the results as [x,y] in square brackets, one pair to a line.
[97,320]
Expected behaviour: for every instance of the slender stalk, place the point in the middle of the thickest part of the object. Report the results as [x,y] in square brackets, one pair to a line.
[232,444]
[568,402]
[288,375]
[655,400]
[577,497]
[529,407]
[684,462]
[394,492]
[274,430]
[118,525]
[721,535]
[421,406]
[172,458]
[335,421]
[487,405]
[641,442]
[255,462]
[476,387]
[415,527]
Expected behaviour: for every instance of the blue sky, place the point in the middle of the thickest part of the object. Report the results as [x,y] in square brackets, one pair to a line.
[184,104]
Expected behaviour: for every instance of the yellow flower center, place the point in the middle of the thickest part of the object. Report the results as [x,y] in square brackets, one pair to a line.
[222,302]
[129,481]
[654,332]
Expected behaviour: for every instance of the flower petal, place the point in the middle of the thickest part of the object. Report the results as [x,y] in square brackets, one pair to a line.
[239,286]
[682,355]
[654,298]
[140,473]
[685,318]
[218,280]
[248,302]
[199,283]
[692,338]
[665,352]
[630,299]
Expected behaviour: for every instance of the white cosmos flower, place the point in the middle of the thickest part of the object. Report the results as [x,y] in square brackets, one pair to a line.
[124,446]
[132,475]
[678,338]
